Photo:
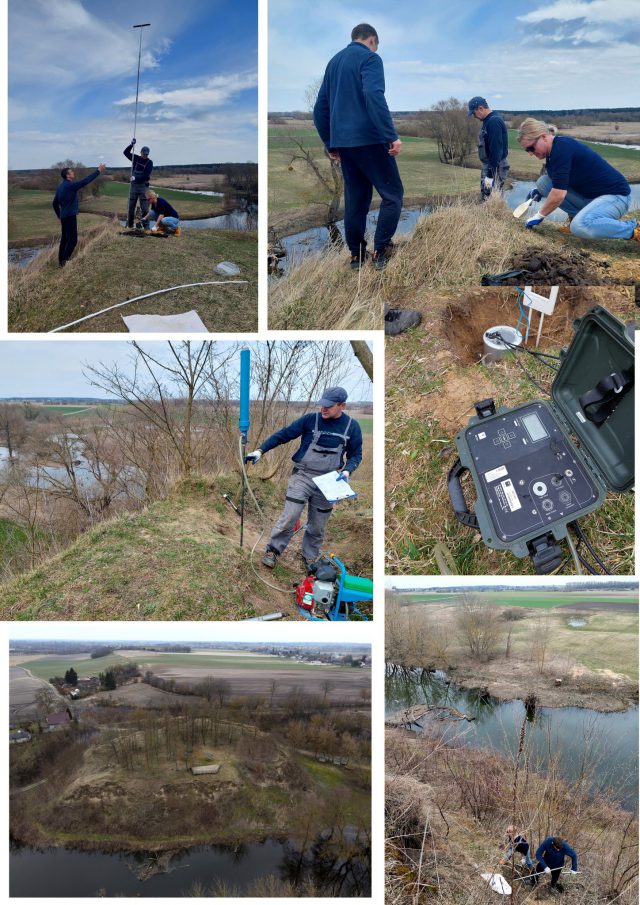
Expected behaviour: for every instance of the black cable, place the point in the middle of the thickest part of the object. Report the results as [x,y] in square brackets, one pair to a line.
[516,348]
[579,533]
[529,377]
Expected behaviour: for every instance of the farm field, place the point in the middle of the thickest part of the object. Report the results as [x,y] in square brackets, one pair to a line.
[546,600]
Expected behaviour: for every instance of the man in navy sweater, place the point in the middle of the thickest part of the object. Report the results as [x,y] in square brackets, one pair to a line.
[330,441]
[162,214]
[551,855]
[355,125]
[140,175]
[65,204]
[493,146]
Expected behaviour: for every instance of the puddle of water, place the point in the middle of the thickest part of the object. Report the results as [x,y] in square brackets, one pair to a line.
[576,622]
[25,255]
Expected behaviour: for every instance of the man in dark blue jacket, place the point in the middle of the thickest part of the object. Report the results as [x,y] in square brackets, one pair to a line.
[330,441]
[354,122]
[551,855]
[141,170]
[493,146]
[65,204]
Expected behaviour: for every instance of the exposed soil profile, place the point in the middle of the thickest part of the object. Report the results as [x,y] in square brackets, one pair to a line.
[464,321]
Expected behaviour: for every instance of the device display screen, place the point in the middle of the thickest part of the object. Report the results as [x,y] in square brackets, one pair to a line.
[535,427]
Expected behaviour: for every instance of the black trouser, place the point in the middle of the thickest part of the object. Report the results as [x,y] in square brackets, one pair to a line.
[555,875]
[137,193]
[365,168]
[68,238]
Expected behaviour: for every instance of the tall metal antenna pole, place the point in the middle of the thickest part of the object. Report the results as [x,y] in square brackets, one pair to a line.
[244,421]
[135,120]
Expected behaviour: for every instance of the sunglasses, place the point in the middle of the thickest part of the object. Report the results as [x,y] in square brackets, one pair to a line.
[532,147]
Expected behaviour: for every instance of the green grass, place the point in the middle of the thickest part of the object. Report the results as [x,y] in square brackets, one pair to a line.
[545,600]
[31,215]
[107,269]
[12,538]
[366,423]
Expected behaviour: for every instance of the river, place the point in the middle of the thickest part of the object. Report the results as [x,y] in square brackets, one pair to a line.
[65,873]
[611,739]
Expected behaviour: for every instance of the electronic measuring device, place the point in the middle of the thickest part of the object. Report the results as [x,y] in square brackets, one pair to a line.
[542,465]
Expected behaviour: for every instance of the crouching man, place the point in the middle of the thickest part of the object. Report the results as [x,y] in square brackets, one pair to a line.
[330,441]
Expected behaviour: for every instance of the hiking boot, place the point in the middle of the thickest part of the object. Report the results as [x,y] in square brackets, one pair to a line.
[381,257]
[559,887]
[357,261]
[306,564]
[636,234]
[270,558]
[566,227]
[177,231]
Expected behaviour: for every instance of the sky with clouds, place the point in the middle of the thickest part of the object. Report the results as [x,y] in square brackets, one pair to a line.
[55,367]
[72,81]
[519,54]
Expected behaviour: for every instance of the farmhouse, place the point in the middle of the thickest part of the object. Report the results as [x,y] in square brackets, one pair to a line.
[56,721]
[19,736]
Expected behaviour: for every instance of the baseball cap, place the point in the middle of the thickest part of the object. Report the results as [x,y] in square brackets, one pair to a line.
[144,150]
[476,102]
[333,396]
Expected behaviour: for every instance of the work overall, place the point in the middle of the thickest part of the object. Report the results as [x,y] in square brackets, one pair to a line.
[498,175]
[301,491]
[137,191]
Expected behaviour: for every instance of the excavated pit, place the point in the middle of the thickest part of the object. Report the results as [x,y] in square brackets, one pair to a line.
[465,321]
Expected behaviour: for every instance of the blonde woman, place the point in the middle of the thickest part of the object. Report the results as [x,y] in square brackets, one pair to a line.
[580,182]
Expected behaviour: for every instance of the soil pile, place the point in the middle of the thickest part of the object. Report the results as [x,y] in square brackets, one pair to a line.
[553,268]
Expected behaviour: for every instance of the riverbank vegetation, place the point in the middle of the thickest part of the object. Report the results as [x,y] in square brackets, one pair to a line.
[293,765]
[513,653]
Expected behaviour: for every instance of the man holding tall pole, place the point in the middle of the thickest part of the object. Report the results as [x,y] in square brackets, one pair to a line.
[141,165]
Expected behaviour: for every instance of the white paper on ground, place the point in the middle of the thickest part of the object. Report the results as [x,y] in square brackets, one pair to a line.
[227,269]
[189,322]
[332,488]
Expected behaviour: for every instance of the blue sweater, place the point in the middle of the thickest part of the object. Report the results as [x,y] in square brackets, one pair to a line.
[574,165]
[548,856]
[303,427]
[496,139]
[163,207]
[142,167]
[351,110]
[65,201]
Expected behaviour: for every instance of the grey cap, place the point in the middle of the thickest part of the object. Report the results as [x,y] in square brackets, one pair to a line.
[333,396]
[476,102]
[144,150]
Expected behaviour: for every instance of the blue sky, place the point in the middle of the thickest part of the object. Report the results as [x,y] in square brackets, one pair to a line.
[54,367]
[519,54]
[72,81]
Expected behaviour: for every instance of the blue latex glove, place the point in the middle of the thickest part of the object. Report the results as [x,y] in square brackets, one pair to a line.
[343,476]
[536,220]
[534,195]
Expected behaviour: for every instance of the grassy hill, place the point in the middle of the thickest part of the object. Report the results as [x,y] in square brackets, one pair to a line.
[178,559]
[110,267]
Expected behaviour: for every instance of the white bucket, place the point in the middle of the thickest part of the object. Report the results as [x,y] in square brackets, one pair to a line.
[494,349]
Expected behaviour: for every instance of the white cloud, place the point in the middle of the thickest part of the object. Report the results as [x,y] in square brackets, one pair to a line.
[211,92]
[622,12]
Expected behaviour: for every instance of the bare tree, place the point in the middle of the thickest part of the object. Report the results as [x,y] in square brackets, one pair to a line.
[364,355]
[479,625]
[454,131]
[12,428]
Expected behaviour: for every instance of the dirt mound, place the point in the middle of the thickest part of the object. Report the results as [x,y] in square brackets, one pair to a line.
[464,322]
[553,268]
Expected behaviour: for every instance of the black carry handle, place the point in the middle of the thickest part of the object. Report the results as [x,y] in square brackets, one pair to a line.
[456,495]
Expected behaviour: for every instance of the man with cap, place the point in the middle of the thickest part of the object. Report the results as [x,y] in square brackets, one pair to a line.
[65,204]
[493,146]
[353,120]
[140,176]
[551,856]
[330,440]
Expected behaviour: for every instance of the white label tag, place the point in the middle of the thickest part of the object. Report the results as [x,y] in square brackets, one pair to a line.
[481,435]
[496,473]
[511,495]
[581,417]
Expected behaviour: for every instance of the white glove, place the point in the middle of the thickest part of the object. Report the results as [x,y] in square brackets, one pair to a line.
[343,476]
[488,182]
[533,221]
[547,870]
[523,860]
[254,456]
[132,179]
[574,872]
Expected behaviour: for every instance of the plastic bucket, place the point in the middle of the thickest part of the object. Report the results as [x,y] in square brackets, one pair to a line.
[494,349]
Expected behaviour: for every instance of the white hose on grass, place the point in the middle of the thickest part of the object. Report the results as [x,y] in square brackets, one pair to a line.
[148,295]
